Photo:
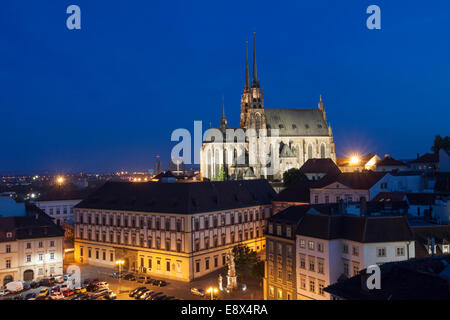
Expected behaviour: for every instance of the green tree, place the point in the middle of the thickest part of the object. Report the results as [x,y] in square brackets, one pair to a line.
[293,176]
[440,143]
[247,260]
[257,270]
[222,174]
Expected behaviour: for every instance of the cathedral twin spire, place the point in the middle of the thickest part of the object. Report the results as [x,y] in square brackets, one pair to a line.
[255,82]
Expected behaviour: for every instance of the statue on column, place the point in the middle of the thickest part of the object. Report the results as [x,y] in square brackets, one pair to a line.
[231,276]
[220,282]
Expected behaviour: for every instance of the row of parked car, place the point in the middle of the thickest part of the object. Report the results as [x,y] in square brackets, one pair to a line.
[15,287]
[143,293]
[140,279]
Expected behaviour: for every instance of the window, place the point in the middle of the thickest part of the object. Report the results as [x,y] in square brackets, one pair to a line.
[346,270]
[8,248]
[345,248]
[327,199]
[279,249]
[81,251]
[302,282]
[28,258]
[320,266]
[207,264]
[168,266]
[446,248]
[104,255]
[52,255]
[320,246]
[216,261]
[97,254]
[89,253]
[311,245]
[271,291]
[355,251]
[400,251]
[41,257]
[288,231]
[28,245]
[40,245]
[316,199]
[312,285]
[280,292]
[321,285]
[302,262]
[197,266]
[52,243]
[311,263]
[355,269]
[381,252]
[111,256]
[8,264]
[150,264]
[302,243]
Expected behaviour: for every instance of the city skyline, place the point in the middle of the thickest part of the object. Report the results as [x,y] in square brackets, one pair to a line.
[108,96]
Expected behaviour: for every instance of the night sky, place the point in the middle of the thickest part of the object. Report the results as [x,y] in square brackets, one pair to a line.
[108,96]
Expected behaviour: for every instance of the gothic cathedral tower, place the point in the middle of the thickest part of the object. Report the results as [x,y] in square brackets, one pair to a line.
[252,100]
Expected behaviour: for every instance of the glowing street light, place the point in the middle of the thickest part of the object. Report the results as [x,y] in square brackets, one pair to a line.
[212,291]
[60,180]
[354,160]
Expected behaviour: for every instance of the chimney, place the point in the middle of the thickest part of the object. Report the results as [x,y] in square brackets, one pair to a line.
[363,206]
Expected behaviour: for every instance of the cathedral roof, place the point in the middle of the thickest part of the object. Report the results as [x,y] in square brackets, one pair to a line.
[296,122]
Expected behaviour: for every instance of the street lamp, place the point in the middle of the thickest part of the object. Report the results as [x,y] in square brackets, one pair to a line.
[120,263]
[60,180]
[212,291]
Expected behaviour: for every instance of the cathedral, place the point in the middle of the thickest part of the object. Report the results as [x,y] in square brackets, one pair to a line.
[284,139]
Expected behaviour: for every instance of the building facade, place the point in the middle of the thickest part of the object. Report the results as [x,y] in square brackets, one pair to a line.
[301,134]
[171,230]
[31,248]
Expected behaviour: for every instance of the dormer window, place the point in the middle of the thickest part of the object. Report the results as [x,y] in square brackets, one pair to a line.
[306,126]
[294,126]
[9,235]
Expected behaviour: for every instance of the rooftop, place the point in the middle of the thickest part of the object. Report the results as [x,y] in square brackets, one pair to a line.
[183,198]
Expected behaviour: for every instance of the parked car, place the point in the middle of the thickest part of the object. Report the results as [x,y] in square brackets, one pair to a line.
[140,279]
[110,295]
[160,283]
[68,292]
[34,284]
[4,292]
[198,292]
[14,286]
[160,297]
[102,284]
[171,298]
[86,282]
[100,293]
[81,296]
[154,295]
[57,295]
[95,281]
[42,298]
[132,293]
[26,286]
[59,279]
[91,288]
[146,294]
[140,293]
[44,292]
[29,296]
[80,290]
[129,277]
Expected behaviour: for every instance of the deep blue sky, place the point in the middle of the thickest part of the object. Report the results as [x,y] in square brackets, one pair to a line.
[109,95]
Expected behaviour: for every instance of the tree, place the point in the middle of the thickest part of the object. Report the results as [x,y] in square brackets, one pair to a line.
[257,270]
[440,143]
[244,259]
[222,174]
[293,176]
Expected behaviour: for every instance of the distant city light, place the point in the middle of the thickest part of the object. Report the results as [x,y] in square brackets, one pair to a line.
[60,180]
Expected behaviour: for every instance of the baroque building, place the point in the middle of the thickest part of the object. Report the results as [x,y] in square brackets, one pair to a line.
[172,230]
[284,138]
